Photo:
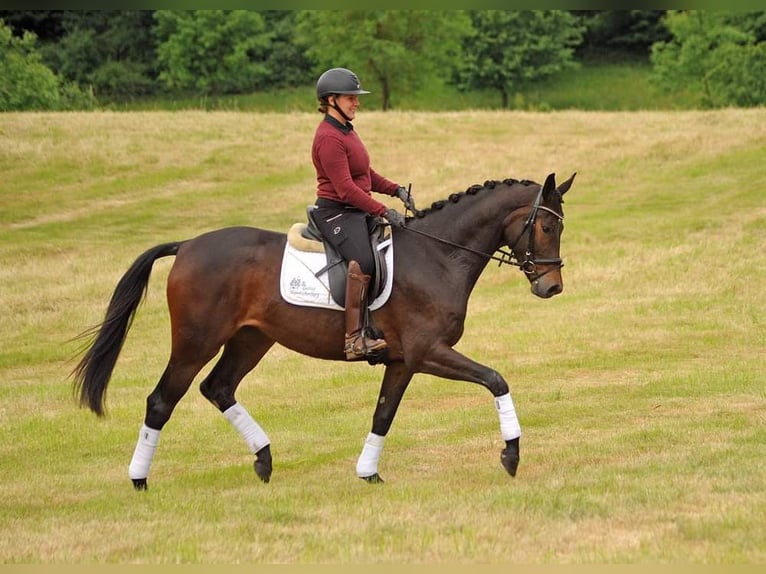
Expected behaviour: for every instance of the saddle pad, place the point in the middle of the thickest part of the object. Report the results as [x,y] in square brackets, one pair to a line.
[299,285]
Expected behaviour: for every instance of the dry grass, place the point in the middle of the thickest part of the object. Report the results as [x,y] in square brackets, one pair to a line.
[640,388]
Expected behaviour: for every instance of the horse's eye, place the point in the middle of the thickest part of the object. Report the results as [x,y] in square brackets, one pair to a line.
[547,228]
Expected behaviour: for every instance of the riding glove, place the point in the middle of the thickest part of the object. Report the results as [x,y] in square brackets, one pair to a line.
[395,218]
[406,197]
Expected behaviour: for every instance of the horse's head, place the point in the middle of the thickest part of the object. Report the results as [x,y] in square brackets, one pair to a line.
[534,236]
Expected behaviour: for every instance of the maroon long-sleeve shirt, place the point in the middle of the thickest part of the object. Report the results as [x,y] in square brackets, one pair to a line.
[343,168]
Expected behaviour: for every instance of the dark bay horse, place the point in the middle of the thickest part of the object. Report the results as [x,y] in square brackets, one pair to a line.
[223,291]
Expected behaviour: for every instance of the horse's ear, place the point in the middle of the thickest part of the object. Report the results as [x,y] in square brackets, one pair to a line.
[549,185]
[564,187]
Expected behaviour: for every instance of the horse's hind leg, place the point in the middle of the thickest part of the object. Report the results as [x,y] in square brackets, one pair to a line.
[395,381]
[172,386]
[240,355]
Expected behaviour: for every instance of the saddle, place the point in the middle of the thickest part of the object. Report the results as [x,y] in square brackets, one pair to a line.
[307,237]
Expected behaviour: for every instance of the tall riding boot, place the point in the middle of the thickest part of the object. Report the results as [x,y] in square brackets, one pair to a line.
[357,344]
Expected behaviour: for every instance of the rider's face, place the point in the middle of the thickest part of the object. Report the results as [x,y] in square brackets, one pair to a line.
[349,103]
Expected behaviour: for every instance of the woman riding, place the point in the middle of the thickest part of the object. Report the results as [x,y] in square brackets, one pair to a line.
[345,207]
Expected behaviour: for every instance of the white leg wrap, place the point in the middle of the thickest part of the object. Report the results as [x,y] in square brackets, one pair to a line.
[148,439]
[509,422]
[251,431]
[367,465]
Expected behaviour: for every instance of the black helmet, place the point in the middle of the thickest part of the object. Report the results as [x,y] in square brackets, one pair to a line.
[338,81]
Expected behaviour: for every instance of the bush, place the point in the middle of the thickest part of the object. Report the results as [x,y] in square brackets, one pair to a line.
[25,82]
[740,77]
[121,80]
[717,54]
[28,84]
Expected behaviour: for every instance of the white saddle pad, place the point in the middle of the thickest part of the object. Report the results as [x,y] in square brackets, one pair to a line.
[299,285]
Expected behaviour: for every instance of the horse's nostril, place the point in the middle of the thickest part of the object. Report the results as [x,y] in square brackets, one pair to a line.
[554,289]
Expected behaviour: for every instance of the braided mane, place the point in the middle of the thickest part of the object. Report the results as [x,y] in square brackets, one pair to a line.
[472,190]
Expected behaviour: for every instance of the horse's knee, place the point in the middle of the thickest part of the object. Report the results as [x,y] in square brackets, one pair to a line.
[496,384]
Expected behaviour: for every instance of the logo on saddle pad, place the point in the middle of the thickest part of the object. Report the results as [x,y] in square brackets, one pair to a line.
[305,279]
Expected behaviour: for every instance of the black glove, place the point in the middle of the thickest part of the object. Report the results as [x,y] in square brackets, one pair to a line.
[395,218]
[407,199]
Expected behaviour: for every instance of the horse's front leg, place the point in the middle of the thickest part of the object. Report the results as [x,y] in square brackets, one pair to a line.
[443,361]
[395,381]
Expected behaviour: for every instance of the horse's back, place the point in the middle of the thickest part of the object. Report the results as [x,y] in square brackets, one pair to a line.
[231,247]
[231,238]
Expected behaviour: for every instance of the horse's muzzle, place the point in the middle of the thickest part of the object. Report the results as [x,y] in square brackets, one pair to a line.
[547,286]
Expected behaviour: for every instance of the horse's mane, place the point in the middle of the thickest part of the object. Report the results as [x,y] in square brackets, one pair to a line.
[471,190]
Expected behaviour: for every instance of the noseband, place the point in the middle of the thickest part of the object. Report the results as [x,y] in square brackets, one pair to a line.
[530,263]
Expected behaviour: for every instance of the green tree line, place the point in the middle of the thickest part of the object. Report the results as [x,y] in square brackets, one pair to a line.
[75,59]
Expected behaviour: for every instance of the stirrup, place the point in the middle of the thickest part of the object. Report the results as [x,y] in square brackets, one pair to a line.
[358,346]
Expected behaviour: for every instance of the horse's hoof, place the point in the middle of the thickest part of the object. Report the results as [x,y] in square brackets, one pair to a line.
[139,483]
[509,456]
[262,464]
[373,479]
[263,471]
[510,461]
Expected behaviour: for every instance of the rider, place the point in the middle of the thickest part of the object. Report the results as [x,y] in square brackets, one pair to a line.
[345,206]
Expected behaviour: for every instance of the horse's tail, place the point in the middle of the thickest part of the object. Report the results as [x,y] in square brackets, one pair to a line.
[92,373]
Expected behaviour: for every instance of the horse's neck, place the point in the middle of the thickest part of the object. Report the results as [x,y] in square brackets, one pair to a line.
[476,223]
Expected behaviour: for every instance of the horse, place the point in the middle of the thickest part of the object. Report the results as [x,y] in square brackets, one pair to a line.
[223,293]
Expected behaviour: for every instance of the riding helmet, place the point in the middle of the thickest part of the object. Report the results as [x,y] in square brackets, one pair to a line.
[338,81]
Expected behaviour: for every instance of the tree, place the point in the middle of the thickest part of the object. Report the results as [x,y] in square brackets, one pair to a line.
[511,49]
[287,64]
[110,51]
[212,51]
[721,55]
[25,82]
[47,25]
[391,50]
[621,31]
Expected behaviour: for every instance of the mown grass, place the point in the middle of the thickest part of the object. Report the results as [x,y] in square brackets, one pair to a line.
[639,389]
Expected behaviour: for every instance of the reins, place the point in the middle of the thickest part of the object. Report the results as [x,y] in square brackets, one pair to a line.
[507,257]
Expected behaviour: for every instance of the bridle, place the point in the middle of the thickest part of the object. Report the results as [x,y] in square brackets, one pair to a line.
[530,262]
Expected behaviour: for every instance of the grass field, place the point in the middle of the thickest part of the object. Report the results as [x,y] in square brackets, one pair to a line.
[640,389]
